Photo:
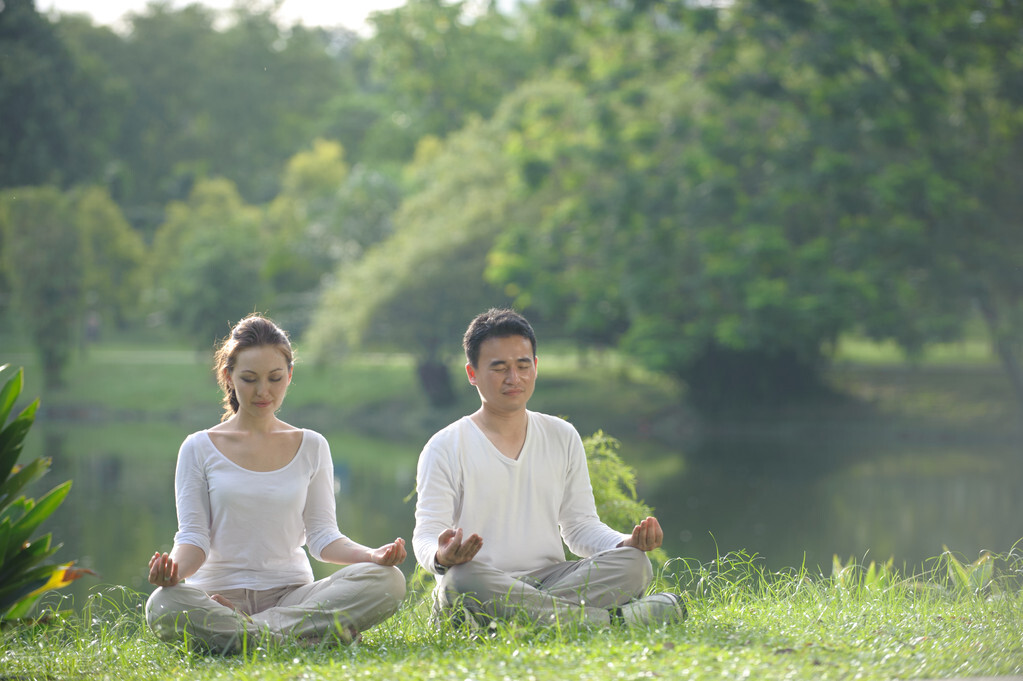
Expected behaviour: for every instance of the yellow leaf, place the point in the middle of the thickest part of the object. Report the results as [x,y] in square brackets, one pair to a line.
[61,577]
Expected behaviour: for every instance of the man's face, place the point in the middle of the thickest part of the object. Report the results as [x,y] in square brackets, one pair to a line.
[505,373]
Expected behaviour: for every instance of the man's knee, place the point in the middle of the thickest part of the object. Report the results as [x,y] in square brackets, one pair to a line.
[461,579]
[635,568]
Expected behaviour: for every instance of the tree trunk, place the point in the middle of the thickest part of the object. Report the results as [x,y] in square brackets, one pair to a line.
[1002,346]
[435,380]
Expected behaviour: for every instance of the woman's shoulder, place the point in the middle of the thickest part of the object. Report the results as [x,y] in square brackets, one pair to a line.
[314,445]
[312,437]
[198,439]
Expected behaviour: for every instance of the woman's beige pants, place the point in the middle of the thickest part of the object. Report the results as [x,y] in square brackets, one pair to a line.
[356,597]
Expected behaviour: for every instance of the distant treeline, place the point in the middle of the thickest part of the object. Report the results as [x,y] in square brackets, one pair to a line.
[721,190]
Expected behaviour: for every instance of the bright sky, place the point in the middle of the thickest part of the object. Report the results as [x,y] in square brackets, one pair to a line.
[351,14]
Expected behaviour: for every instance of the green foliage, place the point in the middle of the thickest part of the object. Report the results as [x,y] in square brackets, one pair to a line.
[113,256]
[722,190]
[42,261]
[437,66]
[853,575]
[209,262]
[756,188]
[417,290]
[614,487]
[23,575]
[324,218]
[51,128]
[975,578]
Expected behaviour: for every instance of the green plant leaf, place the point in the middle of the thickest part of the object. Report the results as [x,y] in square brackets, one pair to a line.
[45,506]
[5,536]
[12,437]
[24,560]
[9,394]
[981,571]
[16,510]
[11,594]
[957,572]
[15,483]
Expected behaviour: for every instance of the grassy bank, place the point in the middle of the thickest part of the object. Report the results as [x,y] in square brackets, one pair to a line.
[952,387]
[858,623]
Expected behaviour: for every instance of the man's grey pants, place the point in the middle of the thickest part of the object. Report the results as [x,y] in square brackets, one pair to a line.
[572,591]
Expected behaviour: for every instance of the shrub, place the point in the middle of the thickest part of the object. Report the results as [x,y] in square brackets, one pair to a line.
[23,575]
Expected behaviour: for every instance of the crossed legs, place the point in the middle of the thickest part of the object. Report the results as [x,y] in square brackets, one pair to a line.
[354,598]
[582,590]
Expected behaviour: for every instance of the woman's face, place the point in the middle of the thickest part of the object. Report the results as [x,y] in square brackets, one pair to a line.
[260,378]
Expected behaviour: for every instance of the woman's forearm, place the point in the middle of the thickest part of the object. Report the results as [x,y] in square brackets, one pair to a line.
[344,551]
[189,559]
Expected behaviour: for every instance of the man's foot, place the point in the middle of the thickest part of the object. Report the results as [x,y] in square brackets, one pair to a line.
[659,608]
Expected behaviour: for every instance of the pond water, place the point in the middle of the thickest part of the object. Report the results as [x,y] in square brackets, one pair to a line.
[791,495]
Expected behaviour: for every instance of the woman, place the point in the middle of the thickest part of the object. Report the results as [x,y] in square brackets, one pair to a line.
[250,492]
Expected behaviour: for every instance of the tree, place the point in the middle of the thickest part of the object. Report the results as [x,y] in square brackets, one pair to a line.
[208,262]
[779,175]
[54,125]
[325,217]
[113,255]
[42,260]
[185,120]
[416,291]
[433,66]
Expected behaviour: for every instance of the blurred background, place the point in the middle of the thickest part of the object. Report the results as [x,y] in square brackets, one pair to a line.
[772,246]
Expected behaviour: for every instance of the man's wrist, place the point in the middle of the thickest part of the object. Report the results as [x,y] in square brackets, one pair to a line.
[441,567]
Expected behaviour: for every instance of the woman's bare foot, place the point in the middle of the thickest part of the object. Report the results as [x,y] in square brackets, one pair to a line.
[228,604]
[345,636]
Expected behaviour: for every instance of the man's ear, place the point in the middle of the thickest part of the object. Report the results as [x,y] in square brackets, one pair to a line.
[470,372]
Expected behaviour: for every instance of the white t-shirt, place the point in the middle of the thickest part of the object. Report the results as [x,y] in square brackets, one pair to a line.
[515,505]
[251,524]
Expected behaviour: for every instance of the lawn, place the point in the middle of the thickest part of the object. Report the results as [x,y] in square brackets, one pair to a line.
[954,620]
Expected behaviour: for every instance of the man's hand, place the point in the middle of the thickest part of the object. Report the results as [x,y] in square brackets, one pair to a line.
[451,550]
[646,536]
[389,554]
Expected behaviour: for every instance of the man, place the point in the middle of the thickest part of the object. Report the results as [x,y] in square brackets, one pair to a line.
[495,486]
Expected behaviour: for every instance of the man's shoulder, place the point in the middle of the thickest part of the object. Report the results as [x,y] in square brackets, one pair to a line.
[550,423]
[444,438]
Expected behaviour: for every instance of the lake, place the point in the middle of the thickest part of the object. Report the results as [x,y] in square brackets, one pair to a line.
[792,493]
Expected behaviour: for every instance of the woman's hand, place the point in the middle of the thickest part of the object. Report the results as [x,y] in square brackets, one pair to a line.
[389,554]
[163,570]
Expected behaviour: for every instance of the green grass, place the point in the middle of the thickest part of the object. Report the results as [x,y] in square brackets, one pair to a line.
[974,351]
[744,622]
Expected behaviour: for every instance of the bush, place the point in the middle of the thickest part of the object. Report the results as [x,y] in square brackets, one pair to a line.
[614,487]
[23,576]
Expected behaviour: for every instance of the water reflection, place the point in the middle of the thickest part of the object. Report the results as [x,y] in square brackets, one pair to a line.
[793,499]
[788,496]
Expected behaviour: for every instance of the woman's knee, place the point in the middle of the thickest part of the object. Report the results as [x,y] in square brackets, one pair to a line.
[165,612]
[162,603]
[388,579]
